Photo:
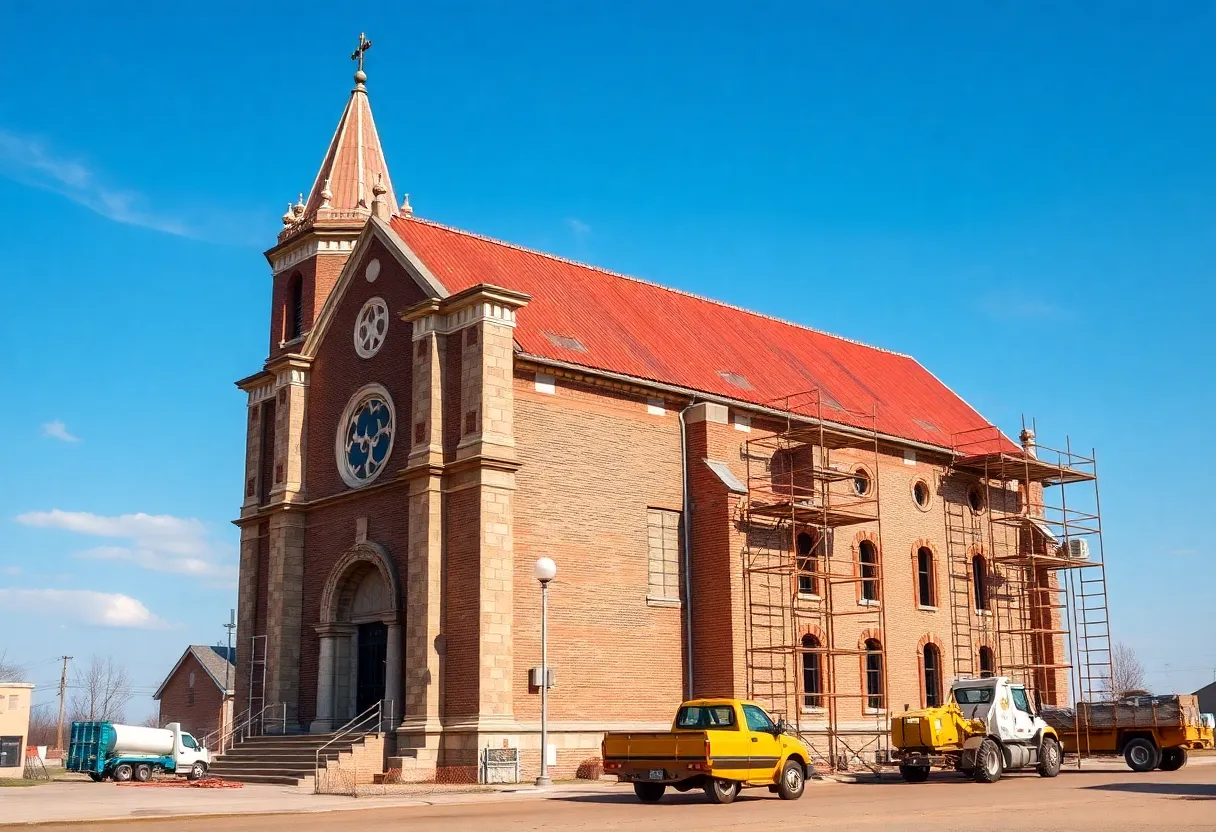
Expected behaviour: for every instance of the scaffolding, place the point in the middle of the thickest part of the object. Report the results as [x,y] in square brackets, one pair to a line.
[1037,581]
[816,636]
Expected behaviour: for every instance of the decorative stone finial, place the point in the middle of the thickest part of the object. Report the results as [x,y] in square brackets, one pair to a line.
[298,208]
[1028,444]
[406,208]
[379,209]
[288,217]
[326,195]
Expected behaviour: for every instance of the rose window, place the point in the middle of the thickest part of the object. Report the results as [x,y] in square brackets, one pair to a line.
[370,327]
[365,436]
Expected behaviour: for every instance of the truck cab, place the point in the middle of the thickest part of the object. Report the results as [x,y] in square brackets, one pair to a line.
[987,727]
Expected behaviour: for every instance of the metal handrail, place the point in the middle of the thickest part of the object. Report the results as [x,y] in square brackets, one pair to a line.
[248,725]
[374,715]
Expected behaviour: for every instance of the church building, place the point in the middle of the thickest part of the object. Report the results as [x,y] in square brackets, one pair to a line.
[737,505]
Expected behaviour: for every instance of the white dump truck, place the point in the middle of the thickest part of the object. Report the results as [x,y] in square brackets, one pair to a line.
[107,750]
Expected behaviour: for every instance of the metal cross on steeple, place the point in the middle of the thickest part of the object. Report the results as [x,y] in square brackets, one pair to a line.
[364,45]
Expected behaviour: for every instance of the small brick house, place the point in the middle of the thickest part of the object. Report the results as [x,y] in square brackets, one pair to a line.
[198,690]
[438,409]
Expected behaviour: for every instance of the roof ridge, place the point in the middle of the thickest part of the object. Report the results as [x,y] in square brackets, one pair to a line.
[558,258]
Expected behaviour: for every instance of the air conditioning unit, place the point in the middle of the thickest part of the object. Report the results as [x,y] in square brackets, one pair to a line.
[1076,549]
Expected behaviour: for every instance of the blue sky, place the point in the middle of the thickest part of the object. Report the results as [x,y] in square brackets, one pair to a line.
[1018,194]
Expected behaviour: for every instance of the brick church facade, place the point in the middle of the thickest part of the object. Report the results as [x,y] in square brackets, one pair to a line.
[438,409]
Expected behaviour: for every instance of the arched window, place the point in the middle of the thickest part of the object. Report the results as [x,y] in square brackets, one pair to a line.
[987,662]
[874,692]
[808,564]
[867,556]
[933,676]
[979,573]
[926,594]
[293,312]
[812,674]
[861,482]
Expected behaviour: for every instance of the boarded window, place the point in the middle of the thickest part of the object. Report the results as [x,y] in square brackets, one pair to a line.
[663,539]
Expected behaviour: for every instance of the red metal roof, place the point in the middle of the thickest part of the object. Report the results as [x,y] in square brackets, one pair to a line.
[594,318]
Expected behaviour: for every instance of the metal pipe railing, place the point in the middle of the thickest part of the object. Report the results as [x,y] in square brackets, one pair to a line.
[357,726]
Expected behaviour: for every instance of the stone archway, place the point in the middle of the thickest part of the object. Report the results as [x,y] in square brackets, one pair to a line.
[360,661]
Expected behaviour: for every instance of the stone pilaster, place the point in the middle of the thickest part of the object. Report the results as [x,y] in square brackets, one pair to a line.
[283,610]
[291,400]
[246,612]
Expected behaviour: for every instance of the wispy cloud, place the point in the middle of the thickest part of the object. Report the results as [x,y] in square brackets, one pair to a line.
[1012,308]
[29,161]
[579,228]
[12,570]
[58,430]
[158,542]
[103,609]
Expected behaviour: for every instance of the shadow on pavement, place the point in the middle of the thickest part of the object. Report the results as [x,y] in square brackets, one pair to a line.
[671,798]
[1188,791]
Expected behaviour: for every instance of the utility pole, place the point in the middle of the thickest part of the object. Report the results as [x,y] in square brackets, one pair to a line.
[63,686]
[229,704]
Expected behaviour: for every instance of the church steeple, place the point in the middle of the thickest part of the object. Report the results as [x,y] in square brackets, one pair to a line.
[353,164]
[319,232]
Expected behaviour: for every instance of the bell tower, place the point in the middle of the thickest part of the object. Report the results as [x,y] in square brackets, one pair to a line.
[319,232]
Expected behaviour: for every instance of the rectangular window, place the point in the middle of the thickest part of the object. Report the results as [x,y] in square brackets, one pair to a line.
[190,696]
[10,752]
[663,542]
[1020,701]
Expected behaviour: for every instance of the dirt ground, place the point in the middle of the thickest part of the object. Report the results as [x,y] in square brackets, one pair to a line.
[1096,800]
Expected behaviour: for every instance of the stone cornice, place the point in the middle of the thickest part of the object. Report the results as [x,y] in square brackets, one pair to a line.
[483,302]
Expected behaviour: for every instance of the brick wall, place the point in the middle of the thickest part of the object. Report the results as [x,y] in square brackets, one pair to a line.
[591,465]
[198,714]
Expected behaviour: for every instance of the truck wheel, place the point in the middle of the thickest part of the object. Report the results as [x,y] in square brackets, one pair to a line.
[722,791]
[649,792]
[914,774]
[1173,759]
[1141,755]
[197,772]
[793,781]
[1050,758]
[989,764]
[123,772]
[143,773]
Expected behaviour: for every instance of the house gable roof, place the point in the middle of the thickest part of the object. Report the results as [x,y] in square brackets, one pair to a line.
[211,660]
[594,318]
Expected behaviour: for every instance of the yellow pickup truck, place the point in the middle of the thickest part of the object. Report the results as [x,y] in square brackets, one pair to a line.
[719,745]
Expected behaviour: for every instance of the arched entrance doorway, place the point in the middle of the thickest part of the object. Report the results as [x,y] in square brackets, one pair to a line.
[360,660]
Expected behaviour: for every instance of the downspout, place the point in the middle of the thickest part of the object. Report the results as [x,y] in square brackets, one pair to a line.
[686,487]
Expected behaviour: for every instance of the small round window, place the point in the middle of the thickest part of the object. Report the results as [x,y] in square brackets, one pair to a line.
[370,327]
[861,482]
[921,493]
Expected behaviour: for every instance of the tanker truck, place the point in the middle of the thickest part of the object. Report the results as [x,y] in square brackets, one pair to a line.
[132,752]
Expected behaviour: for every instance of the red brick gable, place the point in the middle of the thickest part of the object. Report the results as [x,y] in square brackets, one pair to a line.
[597,319]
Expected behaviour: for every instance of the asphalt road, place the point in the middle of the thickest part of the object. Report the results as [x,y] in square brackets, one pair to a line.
[1100,800]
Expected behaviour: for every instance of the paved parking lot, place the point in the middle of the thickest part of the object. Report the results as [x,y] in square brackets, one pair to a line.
[1111,799]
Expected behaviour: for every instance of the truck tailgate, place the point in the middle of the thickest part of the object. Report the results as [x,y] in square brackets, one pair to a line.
[680,745]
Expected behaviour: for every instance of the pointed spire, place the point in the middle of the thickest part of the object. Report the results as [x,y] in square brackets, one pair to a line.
[353,162]
[406,209]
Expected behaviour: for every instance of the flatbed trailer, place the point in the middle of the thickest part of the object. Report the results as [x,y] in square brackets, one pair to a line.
[1149,732]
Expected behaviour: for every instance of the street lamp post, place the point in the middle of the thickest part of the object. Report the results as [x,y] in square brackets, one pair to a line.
[544,569]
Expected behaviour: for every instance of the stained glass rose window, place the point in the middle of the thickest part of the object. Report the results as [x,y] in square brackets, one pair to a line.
[365,436]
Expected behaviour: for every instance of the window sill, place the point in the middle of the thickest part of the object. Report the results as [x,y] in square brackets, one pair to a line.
[809,596]
[875,711]
[663,602]
[815,711]
[985,613]
[299,339]
[865,602]
[926,608]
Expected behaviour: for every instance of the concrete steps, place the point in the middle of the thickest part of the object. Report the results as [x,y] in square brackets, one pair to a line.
[281,760]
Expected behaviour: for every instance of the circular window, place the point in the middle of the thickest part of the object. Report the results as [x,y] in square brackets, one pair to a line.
[861,482]
[365,436]
[370,327]
[975,499]
[921,493]
[372,271]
